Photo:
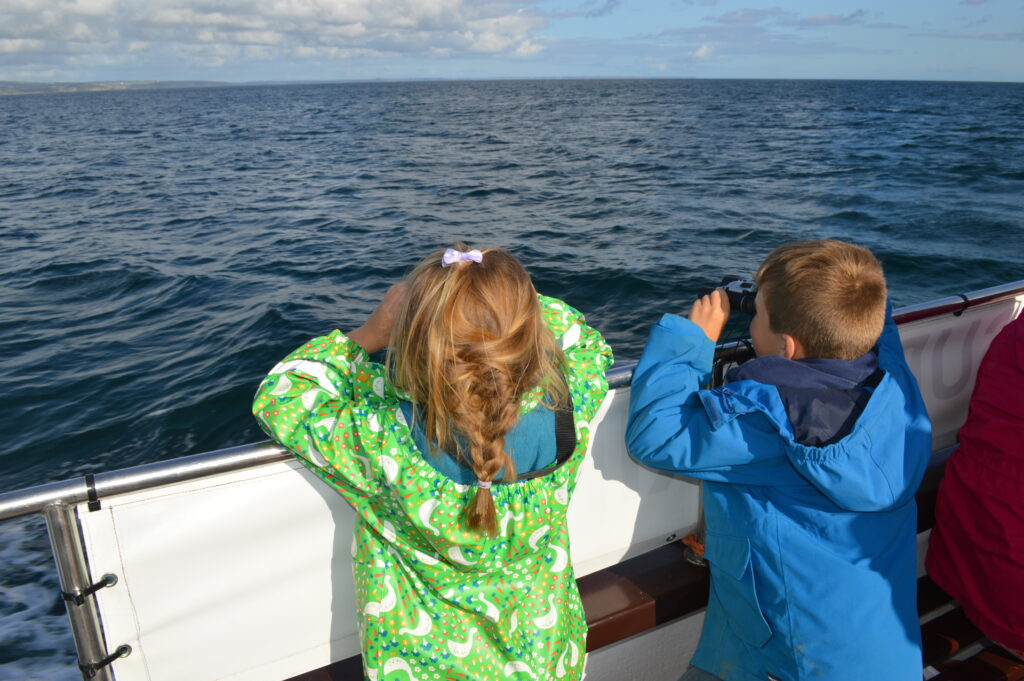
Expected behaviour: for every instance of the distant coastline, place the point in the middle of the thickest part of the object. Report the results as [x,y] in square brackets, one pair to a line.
[10,87]
[28,88]
[18,88]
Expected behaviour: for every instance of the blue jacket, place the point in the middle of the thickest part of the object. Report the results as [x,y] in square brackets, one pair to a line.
[812,548]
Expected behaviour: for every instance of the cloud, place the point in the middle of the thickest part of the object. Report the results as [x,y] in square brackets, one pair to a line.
[856,17]
[706,3]
[702,52]
[785,18]
[996,37]
[589,9]
[750,16]
[607,7]
[207,33]
[749,39]
[769,31]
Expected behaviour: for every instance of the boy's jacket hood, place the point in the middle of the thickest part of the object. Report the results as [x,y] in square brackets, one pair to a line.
[823,397]
[854,473]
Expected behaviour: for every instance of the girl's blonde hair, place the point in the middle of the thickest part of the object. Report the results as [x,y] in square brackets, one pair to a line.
[468,342]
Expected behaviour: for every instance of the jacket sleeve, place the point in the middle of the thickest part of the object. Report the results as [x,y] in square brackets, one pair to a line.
[675,426]
[587,356]
[331,407]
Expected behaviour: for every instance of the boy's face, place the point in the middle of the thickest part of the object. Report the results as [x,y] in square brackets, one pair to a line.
[766,341]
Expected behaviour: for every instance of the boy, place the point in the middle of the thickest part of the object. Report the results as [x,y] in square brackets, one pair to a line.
[811,455]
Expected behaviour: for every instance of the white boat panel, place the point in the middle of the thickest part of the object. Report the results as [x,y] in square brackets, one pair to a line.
[944,354]
[620,509]
[242,576]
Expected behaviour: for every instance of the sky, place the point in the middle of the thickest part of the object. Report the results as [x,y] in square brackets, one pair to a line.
[331,40]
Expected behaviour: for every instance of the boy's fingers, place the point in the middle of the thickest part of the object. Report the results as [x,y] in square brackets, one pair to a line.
[710,313]
[697,306]
[723,300]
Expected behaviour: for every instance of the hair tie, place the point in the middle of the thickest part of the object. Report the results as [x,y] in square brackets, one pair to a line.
[483,484]
[452,256]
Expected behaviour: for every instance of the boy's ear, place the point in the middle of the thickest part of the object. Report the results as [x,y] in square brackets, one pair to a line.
[793,349]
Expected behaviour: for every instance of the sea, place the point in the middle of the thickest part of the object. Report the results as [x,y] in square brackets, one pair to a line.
[160,250]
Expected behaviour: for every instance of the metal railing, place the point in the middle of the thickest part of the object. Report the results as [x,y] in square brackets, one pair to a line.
[57,501]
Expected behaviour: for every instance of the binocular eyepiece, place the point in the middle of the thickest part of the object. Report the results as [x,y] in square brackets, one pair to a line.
[741,292]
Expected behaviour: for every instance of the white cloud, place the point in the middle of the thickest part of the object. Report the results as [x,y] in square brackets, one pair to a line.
[226,31]
[702,52]
[750,39]
[1017,36]
[16,45]
[831,19]
[750,16]
[785,18]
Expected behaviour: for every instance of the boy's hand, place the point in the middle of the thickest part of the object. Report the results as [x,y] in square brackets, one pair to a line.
[711,313]
[375,333]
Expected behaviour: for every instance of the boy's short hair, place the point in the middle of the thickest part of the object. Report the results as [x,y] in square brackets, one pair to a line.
[829,295]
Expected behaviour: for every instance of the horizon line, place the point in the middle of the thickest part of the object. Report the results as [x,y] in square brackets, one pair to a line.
[468,79]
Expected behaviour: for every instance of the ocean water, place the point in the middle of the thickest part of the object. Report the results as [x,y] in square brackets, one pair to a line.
[160,250]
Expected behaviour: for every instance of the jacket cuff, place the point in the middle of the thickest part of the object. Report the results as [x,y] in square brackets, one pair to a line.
[678,338]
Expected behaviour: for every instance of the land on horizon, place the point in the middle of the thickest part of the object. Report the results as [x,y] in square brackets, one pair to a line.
[36,88]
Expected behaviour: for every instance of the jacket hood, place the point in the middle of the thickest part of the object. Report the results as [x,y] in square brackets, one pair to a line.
[834,416]
[823,397]
[878,465]
[874,467]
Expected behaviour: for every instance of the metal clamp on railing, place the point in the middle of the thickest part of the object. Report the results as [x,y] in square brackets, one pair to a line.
[90,670]
[78,597]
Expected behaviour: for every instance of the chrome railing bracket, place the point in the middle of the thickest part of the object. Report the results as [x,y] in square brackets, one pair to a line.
[92,669]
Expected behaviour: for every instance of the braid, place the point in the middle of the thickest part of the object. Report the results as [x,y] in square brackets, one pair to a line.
[469,342]
[492,409]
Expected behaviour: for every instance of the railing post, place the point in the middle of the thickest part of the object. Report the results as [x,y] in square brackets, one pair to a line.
[73,570]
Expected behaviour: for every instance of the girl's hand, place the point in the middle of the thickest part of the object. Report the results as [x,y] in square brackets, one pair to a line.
[375,333]
[711,313]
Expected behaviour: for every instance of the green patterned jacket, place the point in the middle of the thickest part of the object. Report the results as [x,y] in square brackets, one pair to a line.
[436,602]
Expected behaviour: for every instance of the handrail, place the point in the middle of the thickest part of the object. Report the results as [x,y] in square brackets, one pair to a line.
[959,303]
[75,491]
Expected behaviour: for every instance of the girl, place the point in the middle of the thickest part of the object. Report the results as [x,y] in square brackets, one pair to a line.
[459,458]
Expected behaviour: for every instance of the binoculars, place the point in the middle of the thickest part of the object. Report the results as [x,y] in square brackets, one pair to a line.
[741,293]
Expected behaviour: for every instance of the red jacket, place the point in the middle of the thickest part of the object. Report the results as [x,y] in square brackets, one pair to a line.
[976,551]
